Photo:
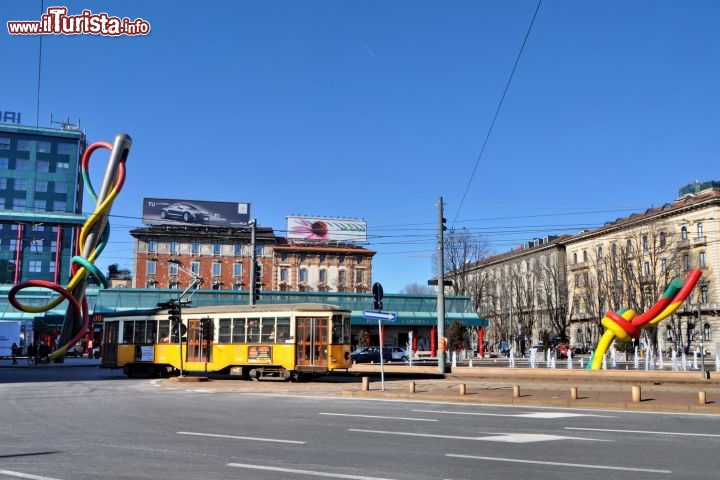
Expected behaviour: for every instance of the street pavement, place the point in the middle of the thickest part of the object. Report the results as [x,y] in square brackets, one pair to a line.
[691,391]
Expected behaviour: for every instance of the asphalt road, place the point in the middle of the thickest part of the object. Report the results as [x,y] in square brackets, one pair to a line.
[85,423]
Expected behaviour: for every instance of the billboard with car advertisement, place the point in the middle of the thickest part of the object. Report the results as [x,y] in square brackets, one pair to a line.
[167,211]
[327,229]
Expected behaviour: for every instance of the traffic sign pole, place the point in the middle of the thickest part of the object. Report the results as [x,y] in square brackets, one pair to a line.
[382,370]
[377,291]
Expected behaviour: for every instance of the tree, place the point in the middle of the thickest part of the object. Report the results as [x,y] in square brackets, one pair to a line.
[417,289]
[457,335]
[113,270]
[462,252]
[362,339]
[553,298]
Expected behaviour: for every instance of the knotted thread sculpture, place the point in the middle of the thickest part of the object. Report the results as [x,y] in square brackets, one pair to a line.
[627,325]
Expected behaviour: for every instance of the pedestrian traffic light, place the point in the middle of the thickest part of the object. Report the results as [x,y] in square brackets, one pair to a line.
[174,313]
[444,221]
[257,281]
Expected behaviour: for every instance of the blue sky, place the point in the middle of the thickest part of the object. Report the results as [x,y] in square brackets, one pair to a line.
[374,109]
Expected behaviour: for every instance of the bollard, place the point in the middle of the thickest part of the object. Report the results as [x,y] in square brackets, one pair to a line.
[365,383]
[636,394]
[702,399]
[411,387]
[516,391]
[573,393]
[462,389]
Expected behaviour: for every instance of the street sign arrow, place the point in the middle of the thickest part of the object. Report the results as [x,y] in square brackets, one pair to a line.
[379,315]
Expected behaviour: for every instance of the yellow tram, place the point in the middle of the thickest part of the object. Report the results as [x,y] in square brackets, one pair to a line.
[275,341]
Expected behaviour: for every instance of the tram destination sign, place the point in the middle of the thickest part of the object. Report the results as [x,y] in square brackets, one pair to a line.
[379,315]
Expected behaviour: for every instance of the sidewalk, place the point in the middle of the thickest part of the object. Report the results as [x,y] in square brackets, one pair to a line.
[640,390]
[22,362]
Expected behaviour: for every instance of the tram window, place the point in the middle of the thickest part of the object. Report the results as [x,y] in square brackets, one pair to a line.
[164,331]
[283,329]
[268,330]
[128,329]
[238,331]
[340,329]
[225,328]
[150,331]
[253,330]
[139,332]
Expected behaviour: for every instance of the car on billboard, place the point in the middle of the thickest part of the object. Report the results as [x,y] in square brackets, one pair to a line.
[187,212]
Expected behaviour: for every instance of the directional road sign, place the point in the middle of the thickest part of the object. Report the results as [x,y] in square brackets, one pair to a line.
[379,315]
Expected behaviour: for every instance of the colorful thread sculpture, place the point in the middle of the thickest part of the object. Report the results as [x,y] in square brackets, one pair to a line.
[627,325]
[93,239]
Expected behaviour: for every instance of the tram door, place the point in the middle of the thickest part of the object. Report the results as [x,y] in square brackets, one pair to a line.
[199,340]
[312,341]
[110,341]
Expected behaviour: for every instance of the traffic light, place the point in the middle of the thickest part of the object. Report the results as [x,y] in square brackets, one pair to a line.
[174,313]
[257,281]
[444,221]
[377,291]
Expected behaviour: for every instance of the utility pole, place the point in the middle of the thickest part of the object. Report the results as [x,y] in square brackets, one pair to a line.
[253,264]
[441,289]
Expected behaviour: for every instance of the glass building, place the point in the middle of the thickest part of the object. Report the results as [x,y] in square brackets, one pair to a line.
[40,201]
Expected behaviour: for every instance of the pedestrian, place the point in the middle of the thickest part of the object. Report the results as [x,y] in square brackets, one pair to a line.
[13,353]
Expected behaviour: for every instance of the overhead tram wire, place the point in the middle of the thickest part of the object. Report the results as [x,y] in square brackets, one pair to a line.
[497,112]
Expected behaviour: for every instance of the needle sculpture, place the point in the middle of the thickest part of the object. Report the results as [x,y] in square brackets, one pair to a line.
[93,239]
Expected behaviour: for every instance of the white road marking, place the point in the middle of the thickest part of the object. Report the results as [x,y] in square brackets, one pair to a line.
[562,464]
[10,473]
[541,415]
[236,437]
[529,438]
[552,415]
[379,416]
[304,472]
[408,434]
[645,432]
[502,437]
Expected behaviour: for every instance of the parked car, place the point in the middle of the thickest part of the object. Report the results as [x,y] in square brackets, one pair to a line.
[186,212]
[398,354]
[370,355]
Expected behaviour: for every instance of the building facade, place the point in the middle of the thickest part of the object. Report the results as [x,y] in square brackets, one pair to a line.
[170,257]
[625,264]
[222,258]
[628,263]
[40,202]
[523,294]
[302,266]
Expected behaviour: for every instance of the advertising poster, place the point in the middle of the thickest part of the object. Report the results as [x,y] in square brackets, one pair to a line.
[166,211]
[327,229]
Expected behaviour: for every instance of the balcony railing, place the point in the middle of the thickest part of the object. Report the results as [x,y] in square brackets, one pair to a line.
[698,241]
